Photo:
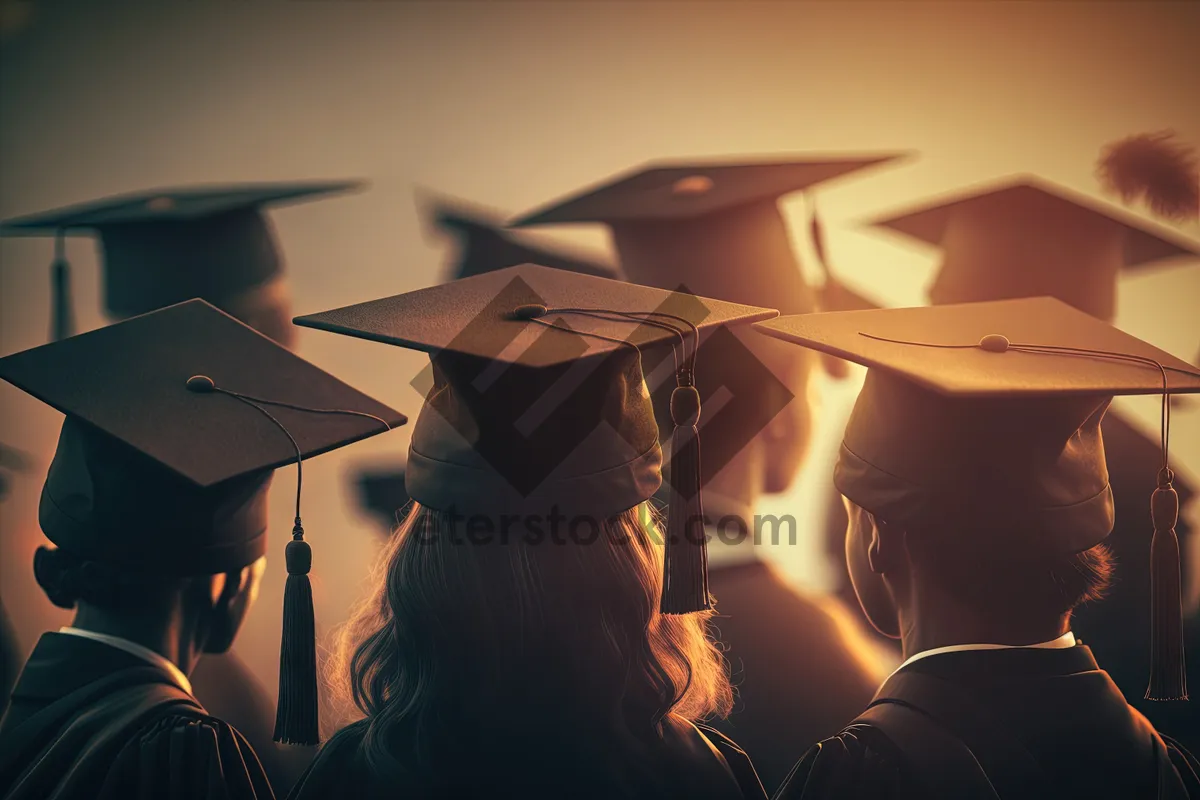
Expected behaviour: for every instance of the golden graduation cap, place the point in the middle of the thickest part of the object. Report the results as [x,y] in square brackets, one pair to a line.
[164,246]
[1024,236]
[988,414]
[539,399]
[175,423]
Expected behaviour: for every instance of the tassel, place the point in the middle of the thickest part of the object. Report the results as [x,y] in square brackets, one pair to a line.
[62,323]
[685,579]
[296,716]
[1155,168]
[1168,678]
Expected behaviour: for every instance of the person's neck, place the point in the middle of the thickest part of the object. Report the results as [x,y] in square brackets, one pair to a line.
[935,620]
[167,635]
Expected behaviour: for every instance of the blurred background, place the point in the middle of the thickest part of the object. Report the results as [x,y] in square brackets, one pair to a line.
[511,104]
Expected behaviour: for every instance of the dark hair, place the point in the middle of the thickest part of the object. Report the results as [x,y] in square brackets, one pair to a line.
[526,655]
[990,576]
[69,580]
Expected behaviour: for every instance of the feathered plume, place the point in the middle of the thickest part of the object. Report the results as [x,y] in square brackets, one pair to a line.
[1156,168]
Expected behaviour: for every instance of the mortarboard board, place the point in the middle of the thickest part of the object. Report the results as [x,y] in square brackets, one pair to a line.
[486,246]
[713,226]
[539,398]
[1024,236]
[156,470]
[164,246]
[991,412]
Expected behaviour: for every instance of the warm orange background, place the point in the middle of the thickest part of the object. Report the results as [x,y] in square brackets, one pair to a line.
[512,104]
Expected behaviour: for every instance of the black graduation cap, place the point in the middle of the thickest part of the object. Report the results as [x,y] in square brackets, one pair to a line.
[164,246]
[991,412]
[175,421]
[11,460]
[539,398]
[486,246]
[713,226]
[382,492]
[1023,236]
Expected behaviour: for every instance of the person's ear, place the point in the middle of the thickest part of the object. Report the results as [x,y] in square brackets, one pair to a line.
[886,548]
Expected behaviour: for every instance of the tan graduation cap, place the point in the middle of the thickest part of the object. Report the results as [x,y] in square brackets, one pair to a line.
[1024,236]
[175,422]
[539,399]
[988,414]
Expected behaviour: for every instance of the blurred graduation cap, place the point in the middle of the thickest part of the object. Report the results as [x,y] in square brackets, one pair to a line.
[164,246]
[715,226]
[382,493]
[486,246]
[990,412]
[11,460]
[1024,236]
[539,399]
[175,422]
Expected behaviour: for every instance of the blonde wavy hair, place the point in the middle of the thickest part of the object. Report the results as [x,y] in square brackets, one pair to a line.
[526,629]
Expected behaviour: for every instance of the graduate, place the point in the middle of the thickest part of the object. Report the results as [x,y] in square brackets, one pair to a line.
[10,655]
[533,631]
[1024,236]
[156,504]
[481,245]
[162,246]
[715,229]
[975,478]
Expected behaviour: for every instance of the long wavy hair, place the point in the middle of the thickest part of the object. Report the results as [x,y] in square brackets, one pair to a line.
[523,645]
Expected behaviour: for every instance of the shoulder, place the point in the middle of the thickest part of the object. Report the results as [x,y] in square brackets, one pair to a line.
[336,766]
[859,762]
[734,757]
[180,749]
[1185,764]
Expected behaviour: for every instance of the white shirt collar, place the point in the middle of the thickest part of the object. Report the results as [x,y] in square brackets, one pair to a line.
[133,648]
[1061,643]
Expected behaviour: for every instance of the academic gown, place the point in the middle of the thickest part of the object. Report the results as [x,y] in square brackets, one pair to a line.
[797,680]
[88,720]
[693,762]
[1041,723]
[10,663]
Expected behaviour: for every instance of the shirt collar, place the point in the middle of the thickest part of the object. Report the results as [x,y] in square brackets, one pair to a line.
[1061,643]
[133,648]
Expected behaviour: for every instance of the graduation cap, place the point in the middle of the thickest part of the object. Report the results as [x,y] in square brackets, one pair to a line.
[991,412]
[485,245]
[165,246]
[713,226]
[539,399]
[382,493]
[175,421]
[11,460]
[1024,236]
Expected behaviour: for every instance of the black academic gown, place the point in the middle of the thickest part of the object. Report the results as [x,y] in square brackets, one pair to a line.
[693,762]
[1040,724]
[91,721]
[796,679]
[10,663]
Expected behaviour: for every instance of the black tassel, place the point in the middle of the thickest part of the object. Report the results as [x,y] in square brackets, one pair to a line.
[62,323]
[1168,676]
[685,581]
[296,715]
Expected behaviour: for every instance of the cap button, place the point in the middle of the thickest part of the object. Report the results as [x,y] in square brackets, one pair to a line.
[201,384]
[994,343]
[692,185]
[530,311]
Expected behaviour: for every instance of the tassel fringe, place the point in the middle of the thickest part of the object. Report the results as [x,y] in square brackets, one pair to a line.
[1168,676]
[1157,169]
[685,580]
[297,713]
